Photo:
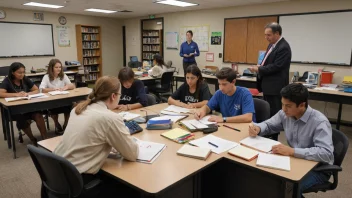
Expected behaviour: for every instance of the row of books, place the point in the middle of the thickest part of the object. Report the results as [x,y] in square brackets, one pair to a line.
[151,40]
[93,76]
[90,44]
[151,33]
[89,30]
[90,61]
[90,37]
[148,55]
[151,47]
[91,53]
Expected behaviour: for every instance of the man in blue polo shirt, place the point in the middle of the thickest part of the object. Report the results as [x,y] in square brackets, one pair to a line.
[235,103]
[189,50]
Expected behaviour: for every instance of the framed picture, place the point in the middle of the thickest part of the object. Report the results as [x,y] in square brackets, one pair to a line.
[209,57]
[38,16]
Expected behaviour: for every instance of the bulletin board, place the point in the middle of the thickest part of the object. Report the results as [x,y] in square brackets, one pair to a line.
[200,36]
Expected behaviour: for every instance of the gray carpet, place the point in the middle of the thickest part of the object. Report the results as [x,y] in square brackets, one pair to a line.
[19,178]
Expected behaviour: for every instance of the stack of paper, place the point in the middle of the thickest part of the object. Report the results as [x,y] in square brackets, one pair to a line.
[176,109]
[40,95]
[274,161]
[178,135]
[216,144]
[194,152]
[259,143]
[128,116]
[53,93]
[149,151]
[194,125]
[244,153]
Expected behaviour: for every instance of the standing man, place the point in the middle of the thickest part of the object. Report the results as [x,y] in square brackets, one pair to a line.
[189,50]
[273,72]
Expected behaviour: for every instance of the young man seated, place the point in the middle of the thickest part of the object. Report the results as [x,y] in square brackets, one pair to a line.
[233,102]
[308,132]
[133,94]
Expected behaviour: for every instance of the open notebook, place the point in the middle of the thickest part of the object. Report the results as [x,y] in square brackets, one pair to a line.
[128,116]
[40,95]
[216,144]
[244,153]
[274,161]
[53,93]
[259,143]
[148,151]
[194,152]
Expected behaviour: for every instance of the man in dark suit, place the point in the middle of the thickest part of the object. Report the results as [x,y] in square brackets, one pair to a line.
[273,72]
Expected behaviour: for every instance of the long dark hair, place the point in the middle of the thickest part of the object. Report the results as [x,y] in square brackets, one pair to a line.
[14,67]
[50,72]
[159,60]
[194,69]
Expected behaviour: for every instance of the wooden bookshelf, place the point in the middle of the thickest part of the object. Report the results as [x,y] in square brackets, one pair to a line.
[151,44]
[89,52]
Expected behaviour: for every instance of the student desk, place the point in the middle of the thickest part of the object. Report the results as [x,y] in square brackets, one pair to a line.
[219,176]
[243,82]
[26,106]
[37,77]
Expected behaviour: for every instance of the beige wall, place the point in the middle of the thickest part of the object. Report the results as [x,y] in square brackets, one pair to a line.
[152,25]
[215,19]
[111,39]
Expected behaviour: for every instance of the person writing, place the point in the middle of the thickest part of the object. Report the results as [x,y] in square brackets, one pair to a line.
[133,94]
[57,80]
[16,84]
[87,145]
[308,132]
[194,93]
[233,102]
[189,50]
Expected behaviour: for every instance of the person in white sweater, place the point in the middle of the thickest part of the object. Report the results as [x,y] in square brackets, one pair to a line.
[93,130]
[159,67]
[57,80]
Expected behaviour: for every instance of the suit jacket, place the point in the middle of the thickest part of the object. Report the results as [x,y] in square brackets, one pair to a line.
[274,74]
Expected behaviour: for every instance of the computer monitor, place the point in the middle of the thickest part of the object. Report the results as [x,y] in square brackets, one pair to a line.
[133,58]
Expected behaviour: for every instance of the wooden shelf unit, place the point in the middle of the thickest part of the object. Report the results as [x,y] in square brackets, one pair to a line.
[151,44]
[89,51]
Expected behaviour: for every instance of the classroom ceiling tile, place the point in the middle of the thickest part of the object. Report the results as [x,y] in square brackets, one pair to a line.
[138,7]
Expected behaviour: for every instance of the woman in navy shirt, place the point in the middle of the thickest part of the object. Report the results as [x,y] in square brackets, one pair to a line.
[189,50]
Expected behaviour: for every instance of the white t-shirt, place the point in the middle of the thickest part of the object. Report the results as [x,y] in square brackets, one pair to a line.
[57,83]
[157,71]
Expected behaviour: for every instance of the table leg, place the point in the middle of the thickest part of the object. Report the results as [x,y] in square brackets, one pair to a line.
[338,122]
[7,128]
[12,134]
[3,122]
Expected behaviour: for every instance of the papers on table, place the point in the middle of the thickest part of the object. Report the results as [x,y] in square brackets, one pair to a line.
[259,143]
[128,116]
[176,109]
[170,113]
[194,124]
[216,144]
[40,95]
[172,118]
[205,119]
[274,161]
[149,151]
[53,93]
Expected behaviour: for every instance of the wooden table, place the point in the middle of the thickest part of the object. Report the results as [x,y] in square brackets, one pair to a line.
[218,176]
[36,104]
[243,82]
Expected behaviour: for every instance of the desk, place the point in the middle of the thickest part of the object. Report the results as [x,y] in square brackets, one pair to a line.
[26,106]
[218,176]
[243,82]
[37,77]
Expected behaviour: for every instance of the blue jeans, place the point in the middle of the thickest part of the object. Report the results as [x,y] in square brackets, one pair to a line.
[312,179]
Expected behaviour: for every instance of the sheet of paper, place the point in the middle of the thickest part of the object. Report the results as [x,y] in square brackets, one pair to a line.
[39,95]
[210,140]
[274,161]
[15,99]
[170,113]
[53,93]
[172,118]
[198,124]
[259,143]
[188,125]
[148,150]
[128,116]
[177,109]
[205,119]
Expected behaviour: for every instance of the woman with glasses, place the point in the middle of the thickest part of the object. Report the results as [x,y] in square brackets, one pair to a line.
[192,94]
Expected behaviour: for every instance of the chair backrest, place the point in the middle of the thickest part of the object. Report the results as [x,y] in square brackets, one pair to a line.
[82,84]
[341,143]
[4,71]
[166,80]
[59,177]
[262,110]
[134,64]
[151,99]
[169,63]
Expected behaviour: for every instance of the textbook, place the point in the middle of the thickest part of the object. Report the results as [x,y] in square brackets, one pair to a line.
[194,152]
[243,153]
[178,135]
[259,143]
[148,151]
[40,95]
[274,161]
[53,93]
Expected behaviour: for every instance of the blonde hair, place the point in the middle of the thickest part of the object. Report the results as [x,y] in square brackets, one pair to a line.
[103,88]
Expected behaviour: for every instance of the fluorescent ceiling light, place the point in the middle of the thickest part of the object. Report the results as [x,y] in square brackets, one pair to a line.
[100,10]
[42,5]
[176,3]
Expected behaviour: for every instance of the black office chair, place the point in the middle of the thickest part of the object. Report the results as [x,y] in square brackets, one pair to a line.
[262,113]
[4,70]
[134,64]
[59,177]
[151,99]
[164,88]
[341,143]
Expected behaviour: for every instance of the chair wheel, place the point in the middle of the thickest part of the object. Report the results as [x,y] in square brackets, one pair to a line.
[20,138]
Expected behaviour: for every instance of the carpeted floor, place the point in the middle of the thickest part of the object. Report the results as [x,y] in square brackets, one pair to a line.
[19,178]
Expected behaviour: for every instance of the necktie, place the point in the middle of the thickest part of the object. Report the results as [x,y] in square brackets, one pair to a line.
[267,54]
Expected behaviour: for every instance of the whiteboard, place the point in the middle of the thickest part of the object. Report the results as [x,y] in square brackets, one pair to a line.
[26,39]
[200,36]
[319,38]
[171,40]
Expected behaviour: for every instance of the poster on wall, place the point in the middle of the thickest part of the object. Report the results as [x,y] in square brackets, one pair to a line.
[216,38]
[63,36]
